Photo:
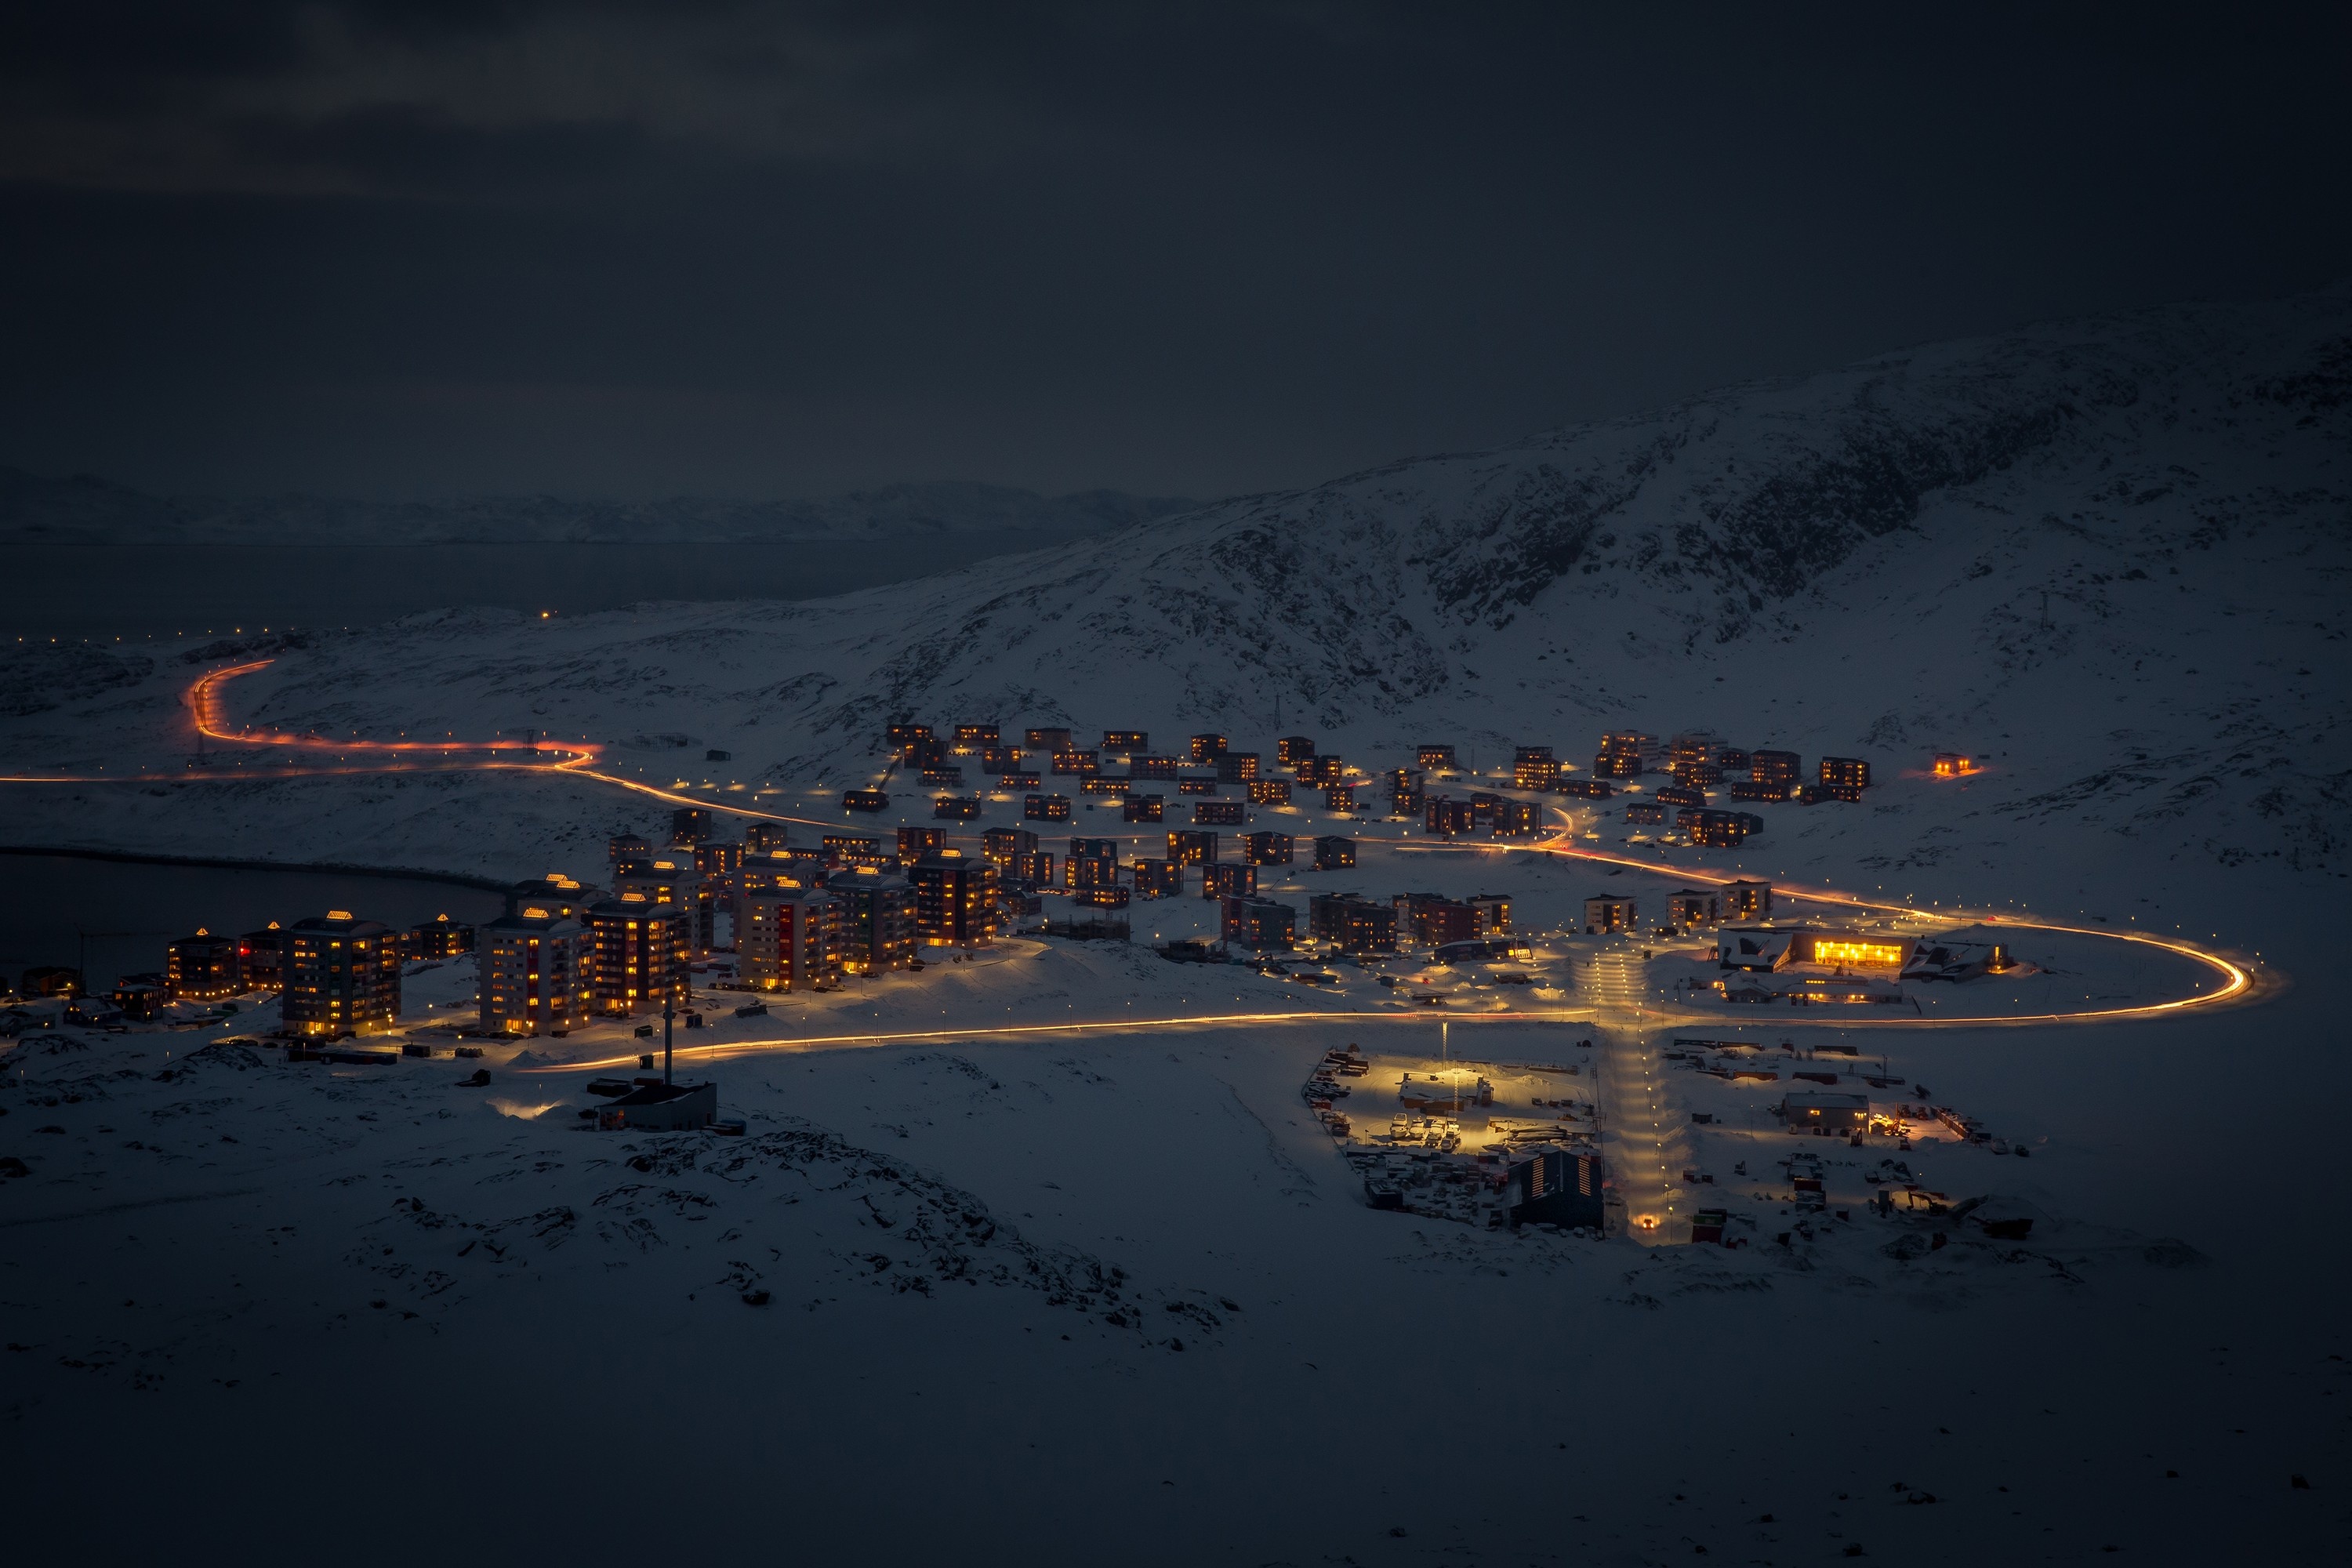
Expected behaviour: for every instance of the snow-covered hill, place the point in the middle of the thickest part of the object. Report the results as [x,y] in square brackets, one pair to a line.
[2111,554]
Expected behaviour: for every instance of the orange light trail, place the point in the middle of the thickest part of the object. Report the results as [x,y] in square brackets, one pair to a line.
[1092,1026]
[576,760]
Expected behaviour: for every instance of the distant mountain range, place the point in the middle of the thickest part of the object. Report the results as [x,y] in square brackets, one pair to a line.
[83,510]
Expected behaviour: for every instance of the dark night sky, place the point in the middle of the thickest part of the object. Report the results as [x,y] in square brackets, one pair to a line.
[617,250]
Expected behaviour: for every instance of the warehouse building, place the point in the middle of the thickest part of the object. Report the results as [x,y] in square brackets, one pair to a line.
[1555,1187]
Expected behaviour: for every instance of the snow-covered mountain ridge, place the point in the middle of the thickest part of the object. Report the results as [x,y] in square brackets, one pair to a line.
[2108,556]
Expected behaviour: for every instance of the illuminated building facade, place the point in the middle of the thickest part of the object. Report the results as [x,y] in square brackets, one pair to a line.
[1623,755]
[974,737]
[877,920]
[853,849]
[261,958]
[1747,900]
[1192,846]
[1850,772]
[438,938]
[688,825]
[1196,783]
[343,976]
[671,880]
[1401,792]
[625,846]
[1207,747]
[1269,791]
[534,977]
[1851,950]
[865,800]
[1341,798]
[1262,925]
[914,842]
[1125,742]
[1334,852]
[1690,907]
[1436,759]
[1228,881]
[1269,849]
[1351,924]
[999,846]
[1147,766]
[789,940]
[640,953]
[1584,789]
[1047,808]
[1090,871]
[1534,767]
[1771,767]
[957,807]
[1955,764]
[1159,878]
[202,968]
[1144,808]
[1517,819]
[1034,867]
[1446,817]
[1220,813]
[1757,789]
[1607,912]
[1719,829]
[1075,763]
[1438,920]
[1494,912]
[1047,739]
[1644,814]
[1236,767]
[1292,750]
[998,760]
[955,899]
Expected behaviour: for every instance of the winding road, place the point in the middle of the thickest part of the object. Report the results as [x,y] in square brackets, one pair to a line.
[206,704]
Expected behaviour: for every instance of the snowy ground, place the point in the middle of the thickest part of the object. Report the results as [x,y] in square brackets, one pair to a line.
[2134,613]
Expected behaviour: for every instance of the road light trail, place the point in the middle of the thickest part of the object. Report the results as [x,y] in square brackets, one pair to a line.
[578,761]
[722,1052]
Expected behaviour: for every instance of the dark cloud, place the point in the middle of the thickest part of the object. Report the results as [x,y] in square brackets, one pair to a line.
[745,249]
